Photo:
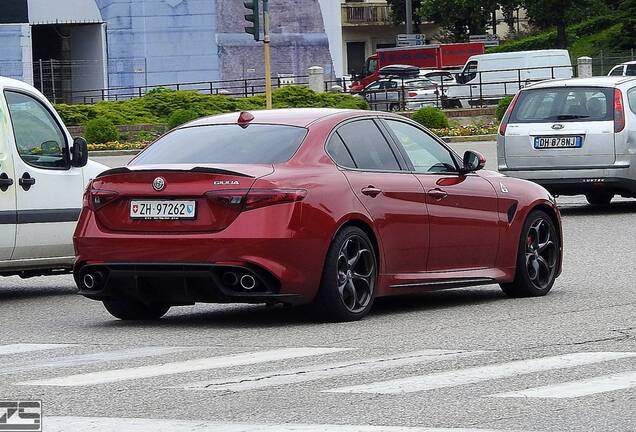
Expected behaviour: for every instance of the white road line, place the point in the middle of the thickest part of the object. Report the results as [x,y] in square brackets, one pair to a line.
[84,359]
[26,348]
[104,424]
[322,371]
[173,368]
[573,389]
[482,373]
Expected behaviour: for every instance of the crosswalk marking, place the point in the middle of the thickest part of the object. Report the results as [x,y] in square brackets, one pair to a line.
[116,375]
[20,348]
[482,373]
[85,359]
[321,371]
[104,424]
[572,389]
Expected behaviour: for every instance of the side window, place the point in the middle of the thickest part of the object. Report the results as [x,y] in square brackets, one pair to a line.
[471,71]
[368,147]
[339,152]
[630,70]
[617,71]
[426,154]
[39,140]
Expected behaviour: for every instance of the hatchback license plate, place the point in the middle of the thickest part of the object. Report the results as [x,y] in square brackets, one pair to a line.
[162,209]
[558,142]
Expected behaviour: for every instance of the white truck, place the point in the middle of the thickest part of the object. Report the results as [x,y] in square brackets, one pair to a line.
[43,174]
[487,78]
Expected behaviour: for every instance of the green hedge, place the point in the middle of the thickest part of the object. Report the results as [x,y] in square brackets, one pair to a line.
[157,106]
[100,131]
[431,117]
[502,106]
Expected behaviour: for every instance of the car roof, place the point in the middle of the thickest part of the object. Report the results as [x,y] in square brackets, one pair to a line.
[600,81]
[626,63]
[302,117]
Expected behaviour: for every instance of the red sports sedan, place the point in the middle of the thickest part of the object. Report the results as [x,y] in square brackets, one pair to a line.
[329,207]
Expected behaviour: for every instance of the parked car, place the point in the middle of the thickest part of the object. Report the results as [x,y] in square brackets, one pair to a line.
[624,69]
[394,94]
[573,137]
[322,206]
[487,78]
[438,76]
[43,174]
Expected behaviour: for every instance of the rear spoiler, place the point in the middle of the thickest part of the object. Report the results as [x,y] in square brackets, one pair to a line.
[124,170]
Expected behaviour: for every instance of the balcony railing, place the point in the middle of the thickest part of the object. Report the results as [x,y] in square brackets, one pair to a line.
[366,14]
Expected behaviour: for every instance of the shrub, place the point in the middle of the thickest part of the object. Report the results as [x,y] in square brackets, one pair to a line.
[430,117]
[100,131]
[502,107]
[180,117]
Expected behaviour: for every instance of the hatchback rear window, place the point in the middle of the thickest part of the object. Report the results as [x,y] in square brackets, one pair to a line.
[564,104]
[225,144]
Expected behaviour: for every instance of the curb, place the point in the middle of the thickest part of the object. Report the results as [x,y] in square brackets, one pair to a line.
[469,138]
[113,153]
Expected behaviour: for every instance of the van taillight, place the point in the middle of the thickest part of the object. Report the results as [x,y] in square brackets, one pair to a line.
[619,111]
[504,121]
[244,199]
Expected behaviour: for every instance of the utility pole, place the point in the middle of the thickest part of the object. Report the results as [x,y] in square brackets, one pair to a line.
[409,17]
[268,64]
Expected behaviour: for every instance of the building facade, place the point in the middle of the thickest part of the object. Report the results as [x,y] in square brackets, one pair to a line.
[67,47]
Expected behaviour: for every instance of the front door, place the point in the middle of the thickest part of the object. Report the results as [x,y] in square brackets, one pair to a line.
[7,188]
[463,210]
[48,190]
[393,197]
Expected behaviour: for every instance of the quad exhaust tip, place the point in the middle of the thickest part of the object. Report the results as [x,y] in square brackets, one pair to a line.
[248,282]
[92,280]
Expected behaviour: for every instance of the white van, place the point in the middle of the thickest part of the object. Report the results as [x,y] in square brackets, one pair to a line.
[487,78]
[43,174]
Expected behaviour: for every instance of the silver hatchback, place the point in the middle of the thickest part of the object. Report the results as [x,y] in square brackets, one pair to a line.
[573,137]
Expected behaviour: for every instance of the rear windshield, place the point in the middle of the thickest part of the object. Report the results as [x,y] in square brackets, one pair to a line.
[225,144]
[564,104]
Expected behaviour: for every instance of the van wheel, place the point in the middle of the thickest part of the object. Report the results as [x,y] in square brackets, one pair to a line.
[537,259]
[600,198]
[133,310]
[347,288]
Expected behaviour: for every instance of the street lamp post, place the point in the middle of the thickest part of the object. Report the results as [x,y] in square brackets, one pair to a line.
[409,17]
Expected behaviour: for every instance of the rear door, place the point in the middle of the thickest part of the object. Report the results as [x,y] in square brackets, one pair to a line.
[48,190]
[7,187]
[463,209]
[393,197]
[561,127]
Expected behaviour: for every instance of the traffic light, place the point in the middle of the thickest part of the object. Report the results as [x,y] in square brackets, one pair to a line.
[253,18]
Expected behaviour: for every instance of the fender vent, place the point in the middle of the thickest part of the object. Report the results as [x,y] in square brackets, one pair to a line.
[512,211]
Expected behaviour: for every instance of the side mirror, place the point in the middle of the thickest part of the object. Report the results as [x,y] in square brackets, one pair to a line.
[79,157]
[473,161]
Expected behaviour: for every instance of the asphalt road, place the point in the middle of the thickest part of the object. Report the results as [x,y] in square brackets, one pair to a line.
[467,359]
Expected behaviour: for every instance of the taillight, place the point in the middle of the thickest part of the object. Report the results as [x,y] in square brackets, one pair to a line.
[619,111]
[412,94]
[504,121]
[98,198]
[244,199]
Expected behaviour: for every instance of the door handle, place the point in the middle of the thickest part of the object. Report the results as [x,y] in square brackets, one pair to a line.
[437,194]
[371,191]
[26,181]
[5,182]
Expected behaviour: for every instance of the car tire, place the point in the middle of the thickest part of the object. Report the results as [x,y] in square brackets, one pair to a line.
[601,198]
[133,310]
[538,257]
[349,279]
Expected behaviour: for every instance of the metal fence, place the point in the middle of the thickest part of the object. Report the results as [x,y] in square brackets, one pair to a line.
[605,61]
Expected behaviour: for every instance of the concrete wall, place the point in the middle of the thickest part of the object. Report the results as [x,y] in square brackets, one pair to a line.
[87,50]
[15,51]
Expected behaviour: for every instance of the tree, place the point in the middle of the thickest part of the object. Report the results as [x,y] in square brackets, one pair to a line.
[398,7]
[509,9]
[459,18]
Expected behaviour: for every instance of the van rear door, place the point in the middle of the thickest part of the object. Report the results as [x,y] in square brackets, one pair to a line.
[561,127]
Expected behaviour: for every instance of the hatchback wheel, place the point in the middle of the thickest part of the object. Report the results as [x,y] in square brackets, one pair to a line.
[133,310]
[538,258]
[347,289]
[599,198]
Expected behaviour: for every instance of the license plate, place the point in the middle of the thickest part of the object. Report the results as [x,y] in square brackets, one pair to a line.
[169,210]
[558,142]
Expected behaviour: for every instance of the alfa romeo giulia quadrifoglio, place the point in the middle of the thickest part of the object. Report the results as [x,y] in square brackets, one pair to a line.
[330,208]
